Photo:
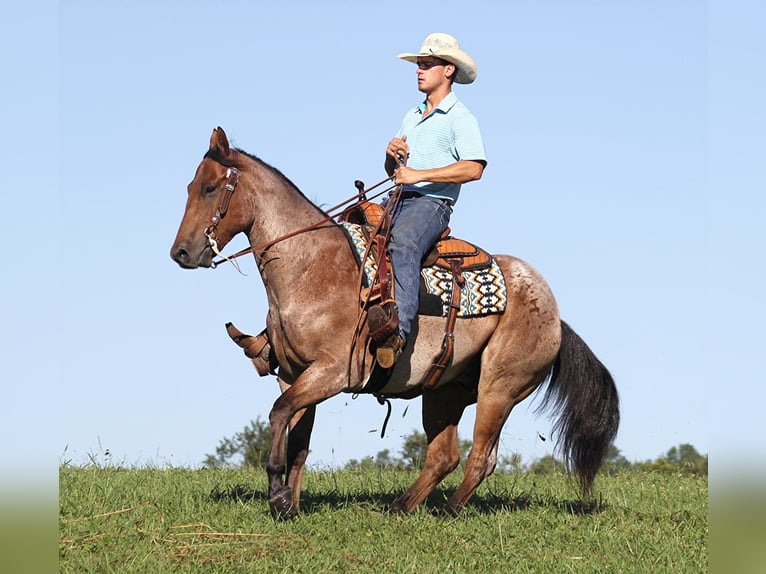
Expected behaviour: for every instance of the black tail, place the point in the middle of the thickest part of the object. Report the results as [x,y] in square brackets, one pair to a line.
[582,393]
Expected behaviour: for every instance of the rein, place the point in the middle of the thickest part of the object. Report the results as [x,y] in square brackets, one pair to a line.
[233,178]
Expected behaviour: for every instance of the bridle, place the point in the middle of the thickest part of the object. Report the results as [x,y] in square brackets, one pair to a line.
[232,179]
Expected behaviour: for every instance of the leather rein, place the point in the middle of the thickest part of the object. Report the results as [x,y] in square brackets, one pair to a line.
[232,179]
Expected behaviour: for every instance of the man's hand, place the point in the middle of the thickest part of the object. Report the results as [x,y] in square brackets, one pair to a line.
[398,151]
[406,176]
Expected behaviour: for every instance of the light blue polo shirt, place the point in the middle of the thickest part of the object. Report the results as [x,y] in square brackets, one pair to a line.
[450,133]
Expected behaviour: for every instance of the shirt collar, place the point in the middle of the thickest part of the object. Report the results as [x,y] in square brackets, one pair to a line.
[444,106]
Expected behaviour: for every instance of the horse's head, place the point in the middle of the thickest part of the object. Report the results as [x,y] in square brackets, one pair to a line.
[211,218]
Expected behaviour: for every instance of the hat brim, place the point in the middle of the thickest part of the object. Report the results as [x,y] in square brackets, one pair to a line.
[466,67]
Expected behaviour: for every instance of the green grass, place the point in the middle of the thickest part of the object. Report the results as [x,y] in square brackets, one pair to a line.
[180,520]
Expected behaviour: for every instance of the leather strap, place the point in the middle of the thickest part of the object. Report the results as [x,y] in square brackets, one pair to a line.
[231,184]
[383,269]
[436,370]
[232,178]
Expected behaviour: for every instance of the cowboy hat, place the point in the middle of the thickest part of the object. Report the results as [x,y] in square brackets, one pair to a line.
[444,46]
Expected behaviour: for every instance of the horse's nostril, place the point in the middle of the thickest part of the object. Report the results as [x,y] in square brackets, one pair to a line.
[181,255]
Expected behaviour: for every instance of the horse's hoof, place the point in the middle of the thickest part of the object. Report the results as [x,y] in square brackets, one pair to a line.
[281,506]
[397,508]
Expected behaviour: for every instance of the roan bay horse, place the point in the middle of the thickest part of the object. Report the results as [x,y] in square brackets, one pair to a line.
[311,282]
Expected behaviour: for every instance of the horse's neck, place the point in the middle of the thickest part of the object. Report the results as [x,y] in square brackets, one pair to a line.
[278,208]
[289,261]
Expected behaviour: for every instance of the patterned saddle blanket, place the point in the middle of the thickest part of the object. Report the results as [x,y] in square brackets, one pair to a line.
[483,292]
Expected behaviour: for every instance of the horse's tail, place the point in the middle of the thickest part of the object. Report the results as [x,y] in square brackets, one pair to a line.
[582,393]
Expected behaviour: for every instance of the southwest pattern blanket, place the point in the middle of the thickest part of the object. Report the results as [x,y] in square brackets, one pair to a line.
[484,291]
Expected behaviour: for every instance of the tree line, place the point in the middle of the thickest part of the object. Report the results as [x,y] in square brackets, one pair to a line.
[249,449]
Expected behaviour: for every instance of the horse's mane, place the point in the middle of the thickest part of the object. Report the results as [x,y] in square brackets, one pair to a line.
[225,161]
[230,161]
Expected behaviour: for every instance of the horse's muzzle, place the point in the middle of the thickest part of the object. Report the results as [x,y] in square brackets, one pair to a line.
[182,255]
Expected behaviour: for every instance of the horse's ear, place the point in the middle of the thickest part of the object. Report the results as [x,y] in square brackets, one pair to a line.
[219,141]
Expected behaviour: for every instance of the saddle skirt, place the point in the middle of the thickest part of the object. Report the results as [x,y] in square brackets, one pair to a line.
[483,291]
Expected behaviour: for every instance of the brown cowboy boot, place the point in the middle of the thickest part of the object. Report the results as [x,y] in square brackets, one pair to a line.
[383,321]
[257,348]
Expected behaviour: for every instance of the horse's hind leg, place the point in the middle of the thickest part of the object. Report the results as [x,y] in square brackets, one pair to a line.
[442,409]
[494,404]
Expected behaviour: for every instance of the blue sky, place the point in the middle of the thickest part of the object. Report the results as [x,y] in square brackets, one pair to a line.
[625,144]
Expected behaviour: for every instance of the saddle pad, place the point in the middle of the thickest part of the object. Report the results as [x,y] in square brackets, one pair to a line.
[358,243]
[484,291]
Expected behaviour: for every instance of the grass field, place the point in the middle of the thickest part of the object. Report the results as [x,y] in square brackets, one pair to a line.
[181,520]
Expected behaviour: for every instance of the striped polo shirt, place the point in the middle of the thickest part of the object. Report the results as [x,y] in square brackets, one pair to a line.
[450,133]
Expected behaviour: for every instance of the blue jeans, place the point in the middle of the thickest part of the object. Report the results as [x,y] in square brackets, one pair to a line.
[417,225]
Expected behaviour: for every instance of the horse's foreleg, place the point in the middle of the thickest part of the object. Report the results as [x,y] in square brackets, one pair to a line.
[297,451]
[298,437]
[280,497]
[321,381]
[442,409]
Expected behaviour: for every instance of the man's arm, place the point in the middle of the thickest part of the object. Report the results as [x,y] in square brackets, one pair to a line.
[461,171]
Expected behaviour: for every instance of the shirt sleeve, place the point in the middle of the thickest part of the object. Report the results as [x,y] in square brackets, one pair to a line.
[468,141]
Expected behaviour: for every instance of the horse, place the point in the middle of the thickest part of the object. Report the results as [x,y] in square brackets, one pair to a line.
[312,288]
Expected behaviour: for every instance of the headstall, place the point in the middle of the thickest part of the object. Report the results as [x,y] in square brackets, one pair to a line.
[232,179]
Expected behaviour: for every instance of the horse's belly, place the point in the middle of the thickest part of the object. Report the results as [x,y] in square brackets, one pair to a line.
[471,336]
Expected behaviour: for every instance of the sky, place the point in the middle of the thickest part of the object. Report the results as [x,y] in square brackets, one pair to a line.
[625,143]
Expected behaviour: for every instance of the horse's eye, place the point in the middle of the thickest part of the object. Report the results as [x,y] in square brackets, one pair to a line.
[210,189]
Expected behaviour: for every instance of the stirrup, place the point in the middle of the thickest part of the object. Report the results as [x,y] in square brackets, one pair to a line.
[382,321]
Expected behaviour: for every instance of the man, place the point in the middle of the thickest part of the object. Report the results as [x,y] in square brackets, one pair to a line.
[437,149]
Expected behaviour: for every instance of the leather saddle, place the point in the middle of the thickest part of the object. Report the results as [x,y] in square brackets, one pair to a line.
[372,216]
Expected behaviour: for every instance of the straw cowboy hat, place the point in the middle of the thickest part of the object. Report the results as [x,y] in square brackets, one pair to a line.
[444,46]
